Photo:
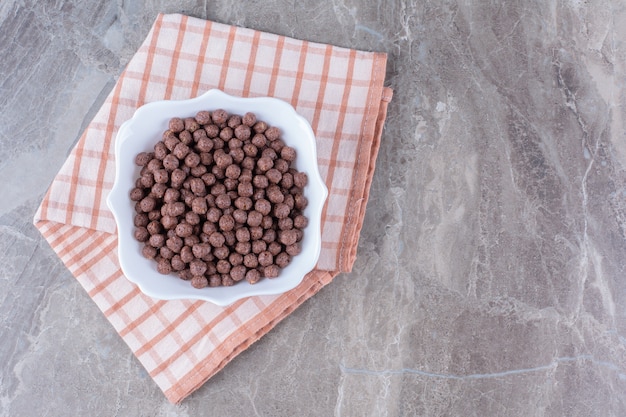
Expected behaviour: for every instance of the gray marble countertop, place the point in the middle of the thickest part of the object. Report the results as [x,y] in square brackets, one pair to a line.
[491,272]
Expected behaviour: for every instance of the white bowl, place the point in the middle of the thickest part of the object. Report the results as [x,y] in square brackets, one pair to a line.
[145,128]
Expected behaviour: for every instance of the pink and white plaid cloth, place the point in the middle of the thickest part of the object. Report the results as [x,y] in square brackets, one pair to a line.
[340,91]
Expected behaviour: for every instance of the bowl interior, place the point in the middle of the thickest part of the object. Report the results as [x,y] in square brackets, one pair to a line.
[145,128]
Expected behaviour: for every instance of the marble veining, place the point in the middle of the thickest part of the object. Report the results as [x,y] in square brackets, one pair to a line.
[490,273]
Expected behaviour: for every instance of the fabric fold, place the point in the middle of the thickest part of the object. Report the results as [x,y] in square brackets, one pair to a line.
[182,343]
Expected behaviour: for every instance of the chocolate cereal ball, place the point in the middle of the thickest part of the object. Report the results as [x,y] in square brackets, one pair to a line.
[147,204]
[243,132]
[233,121]
[217,239]
[235,259]
[176,125]
[272,133]
[201,250]
[136,194]
[288,237]
[237,273]
[191,125]
[254,218]
[215,280]
[300,179]
[222,252]
[227,281]
[253,276]
[185,137]
[203,117]
[265,258]
[184,230]
[141,220]
[212,131]
[243,248]
[283,259]
[143,158]
[260,127]
[265,163]
[271,271]
[259,140]
[149,252]
[274,175]
[199,282]
[256,233]
[164,266]
[288,153]
[249,119]
[142,234]
[219,116]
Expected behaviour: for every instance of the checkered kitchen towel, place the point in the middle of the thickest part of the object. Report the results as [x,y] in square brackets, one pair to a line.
[340,91]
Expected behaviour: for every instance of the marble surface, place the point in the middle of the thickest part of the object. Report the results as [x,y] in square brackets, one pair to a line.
[491,272]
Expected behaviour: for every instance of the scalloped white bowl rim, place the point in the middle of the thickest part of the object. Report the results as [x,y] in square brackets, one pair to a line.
[145,128]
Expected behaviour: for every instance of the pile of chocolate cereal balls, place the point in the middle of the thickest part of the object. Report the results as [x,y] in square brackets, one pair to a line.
[218,201]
